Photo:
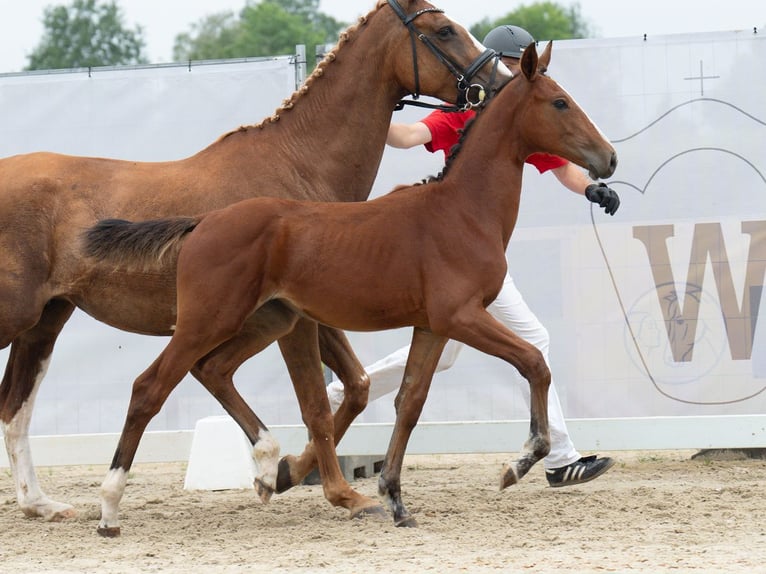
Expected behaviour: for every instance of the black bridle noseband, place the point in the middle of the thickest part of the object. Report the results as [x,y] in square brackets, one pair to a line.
[464,77]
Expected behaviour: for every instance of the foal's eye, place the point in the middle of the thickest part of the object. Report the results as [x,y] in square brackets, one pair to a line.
[445,33]
[560,104]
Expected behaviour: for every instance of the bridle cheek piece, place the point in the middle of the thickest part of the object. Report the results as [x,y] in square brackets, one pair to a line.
[465,89]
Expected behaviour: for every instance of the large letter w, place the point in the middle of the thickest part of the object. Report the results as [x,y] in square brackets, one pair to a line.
[681,322]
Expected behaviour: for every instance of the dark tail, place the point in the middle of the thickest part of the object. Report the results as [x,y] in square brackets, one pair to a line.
[143,243]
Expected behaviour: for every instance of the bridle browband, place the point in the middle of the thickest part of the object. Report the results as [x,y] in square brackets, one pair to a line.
[464,77]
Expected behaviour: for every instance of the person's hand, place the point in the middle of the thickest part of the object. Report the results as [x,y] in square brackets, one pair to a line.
[605,196]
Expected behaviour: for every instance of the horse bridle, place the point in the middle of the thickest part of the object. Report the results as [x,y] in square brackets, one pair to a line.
[464,77]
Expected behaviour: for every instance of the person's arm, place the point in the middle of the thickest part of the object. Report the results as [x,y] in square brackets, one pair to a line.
[408,135]
[574,179]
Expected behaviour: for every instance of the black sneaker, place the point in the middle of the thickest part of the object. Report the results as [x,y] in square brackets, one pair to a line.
[583,470]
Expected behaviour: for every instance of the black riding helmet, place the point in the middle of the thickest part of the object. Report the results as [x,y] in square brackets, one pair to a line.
[508,40]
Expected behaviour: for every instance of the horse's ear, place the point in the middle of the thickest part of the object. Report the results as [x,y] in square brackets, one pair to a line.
[545,58]
[529,62]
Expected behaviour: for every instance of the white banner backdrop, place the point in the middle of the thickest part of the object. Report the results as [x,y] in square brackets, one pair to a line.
[686,250]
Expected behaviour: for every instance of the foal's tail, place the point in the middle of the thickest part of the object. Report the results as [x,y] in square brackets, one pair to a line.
[143,243]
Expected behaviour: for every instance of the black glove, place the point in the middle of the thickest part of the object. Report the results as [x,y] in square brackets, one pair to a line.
[603,195]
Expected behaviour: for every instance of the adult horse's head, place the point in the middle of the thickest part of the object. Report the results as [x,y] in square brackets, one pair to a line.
[443,58]
[551,121]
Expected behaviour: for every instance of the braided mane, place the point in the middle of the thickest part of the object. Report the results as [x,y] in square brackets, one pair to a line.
[345,36]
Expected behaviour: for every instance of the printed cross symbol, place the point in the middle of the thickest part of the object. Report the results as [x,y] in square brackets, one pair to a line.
[702,77]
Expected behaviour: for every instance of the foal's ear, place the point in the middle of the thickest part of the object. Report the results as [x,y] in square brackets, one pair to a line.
[529,62]
[545,58]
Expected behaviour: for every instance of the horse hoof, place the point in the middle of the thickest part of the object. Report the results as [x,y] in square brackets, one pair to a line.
[284,479]
[109,531]
[406,522]
[376,511]
[508,477]
[263,490]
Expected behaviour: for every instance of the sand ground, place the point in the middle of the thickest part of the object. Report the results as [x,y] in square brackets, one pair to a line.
[652,512]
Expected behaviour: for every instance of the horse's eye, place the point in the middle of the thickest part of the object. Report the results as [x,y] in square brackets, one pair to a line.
[445,33]
[560,104]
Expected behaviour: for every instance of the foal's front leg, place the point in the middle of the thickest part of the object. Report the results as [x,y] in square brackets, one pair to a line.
[425,351]
[483,332]
[301,353]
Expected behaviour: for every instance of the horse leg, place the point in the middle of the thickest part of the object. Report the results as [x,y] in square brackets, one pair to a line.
[300,348]
[483,332]
[219,382]
[425,350]
[337,354]
[27,363]
[150,391]
[216,373]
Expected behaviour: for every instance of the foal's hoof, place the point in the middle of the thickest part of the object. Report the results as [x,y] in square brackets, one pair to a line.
[109,531]
[508,477]
[284,478]
[406,522]
[376,511]
[263,490]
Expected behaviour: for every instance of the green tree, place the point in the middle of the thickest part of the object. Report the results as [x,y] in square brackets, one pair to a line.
[86,33]
[264,28]
[544,20]
[213,37]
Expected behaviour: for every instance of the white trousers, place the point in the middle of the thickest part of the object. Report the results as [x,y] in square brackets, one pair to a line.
[510,309]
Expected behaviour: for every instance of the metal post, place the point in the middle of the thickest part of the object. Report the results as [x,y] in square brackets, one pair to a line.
[300,65]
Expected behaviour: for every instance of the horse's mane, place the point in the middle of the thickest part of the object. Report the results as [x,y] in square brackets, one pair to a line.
[453,151]
[345,36]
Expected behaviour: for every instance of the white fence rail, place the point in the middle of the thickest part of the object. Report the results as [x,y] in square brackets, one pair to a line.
[654,433]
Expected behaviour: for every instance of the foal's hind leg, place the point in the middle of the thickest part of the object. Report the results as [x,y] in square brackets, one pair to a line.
[216,373]
[300,350]
[425,351]
[27,363]
[150,391]
[337,354]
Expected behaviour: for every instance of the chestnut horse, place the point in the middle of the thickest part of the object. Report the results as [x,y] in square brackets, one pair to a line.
[325,143]
[431,256]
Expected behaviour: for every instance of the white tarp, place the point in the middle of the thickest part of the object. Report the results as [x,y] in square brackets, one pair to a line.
[687,249]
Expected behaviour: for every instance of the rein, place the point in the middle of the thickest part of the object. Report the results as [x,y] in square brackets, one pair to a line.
[464,77]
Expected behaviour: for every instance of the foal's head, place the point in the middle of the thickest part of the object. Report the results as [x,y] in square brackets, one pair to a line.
[549,120]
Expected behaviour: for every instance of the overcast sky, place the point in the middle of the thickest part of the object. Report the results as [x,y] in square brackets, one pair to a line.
[21,20]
